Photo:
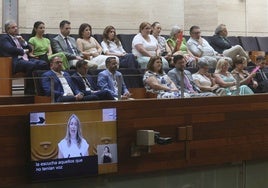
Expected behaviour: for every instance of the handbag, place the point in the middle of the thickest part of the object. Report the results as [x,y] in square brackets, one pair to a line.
[220,91]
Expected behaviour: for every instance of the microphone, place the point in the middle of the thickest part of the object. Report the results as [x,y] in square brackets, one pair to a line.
[119,86]
[182,84]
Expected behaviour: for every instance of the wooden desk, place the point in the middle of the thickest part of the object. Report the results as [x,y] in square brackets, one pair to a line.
[205,131]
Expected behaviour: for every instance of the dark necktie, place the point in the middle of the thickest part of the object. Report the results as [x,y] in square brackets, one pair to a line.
[87,82]
[263,75]
[69,48]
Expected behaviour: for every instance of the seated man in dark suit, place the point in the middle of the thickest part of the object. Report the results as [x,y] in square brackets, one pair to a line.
[222,45]
[66,44]
[13,45]
[85,83]
[64,89]
[261,75]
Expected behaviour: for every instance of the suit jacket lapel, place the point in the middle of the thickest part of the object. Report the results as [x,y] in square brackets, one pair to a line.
[11,40]
[91,82]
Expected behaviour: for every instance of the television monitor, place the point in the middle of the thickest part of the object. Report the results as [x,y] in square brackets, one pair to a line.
[73,143]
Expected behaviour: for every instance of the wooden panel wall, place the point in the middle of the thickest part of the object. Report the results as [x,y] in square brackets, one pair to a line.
[16,99]
[205,131]
[218,130]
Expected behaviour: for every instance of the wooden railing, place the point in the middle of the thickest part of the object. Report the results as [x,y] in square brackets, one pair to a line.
[6,75]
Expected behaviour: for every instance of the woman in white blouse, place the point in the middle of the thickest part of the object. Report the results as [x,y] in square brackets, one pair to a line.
[73,144]
[112,46]
[205,80]
[145,46]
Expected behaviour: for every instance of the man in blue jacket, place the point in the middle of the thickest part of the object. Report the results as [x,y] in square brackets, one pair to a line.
[112,80]
[85,83]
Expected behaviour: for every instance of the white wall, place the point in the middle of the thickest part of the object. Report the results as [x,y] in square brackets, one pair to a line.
[242,17]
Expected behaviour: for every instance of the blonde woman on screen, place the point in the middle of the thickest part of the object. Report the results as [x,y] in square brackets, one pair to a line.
[73,145]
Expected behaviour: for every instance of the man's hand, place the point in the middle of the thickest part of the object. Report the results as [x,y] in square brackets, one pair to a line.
[79,58]
[20,38]
[126,95]
[79,96]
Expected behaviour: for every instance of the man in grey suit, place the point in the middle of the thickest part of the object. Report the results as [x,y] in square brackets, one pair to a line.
[189,87]
[66,44]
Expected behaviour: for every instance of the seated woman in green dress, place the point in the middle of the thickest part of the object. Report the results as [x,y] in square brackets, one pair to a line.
[41,48]
[177,44]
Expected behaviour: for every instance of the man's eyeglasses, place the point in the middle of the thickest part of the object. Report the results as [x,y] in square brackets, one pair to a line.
[196,33]
[58,62]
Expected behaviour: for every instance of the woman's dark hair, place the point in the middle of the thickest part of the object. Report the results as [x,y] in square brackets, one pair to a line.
[108,149]
[150,65]
[35,26]
[153,25]
[239,60]
[105,35]
[82,27]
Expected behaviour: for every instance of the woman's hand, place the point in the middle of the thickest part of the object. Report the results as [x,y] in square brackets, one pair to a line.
[95,54]
[86,55]
[252,74]
[79,96]
[174,89]
[216,86]
[33,56]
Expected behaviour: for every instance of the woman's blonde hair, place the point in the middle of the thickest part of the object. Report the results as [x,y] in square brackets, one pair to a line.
[78,134]
[143,25]
[221,62]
